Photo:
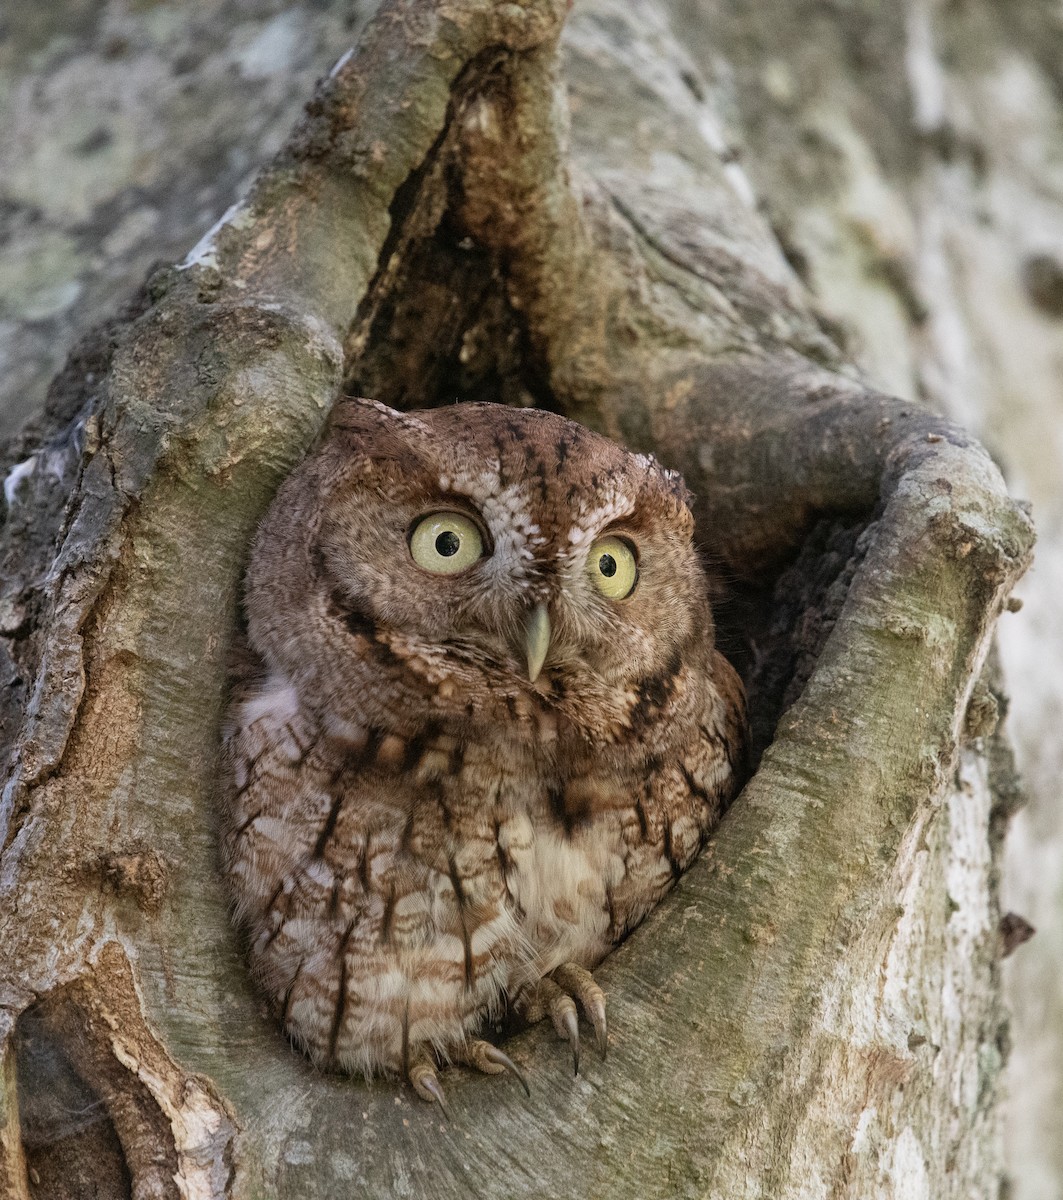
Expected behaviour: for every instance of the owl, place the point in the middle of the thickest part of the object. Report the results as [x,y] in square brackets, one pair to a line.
[485,731]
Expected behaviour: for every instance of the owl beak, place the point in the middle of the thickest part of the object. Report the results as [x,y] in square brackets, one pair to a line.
[537,640]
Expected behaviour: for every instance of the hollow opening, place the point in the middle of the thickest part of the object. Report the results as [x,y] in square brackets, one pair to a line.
[71,1146]
[774,631]
[90,1126]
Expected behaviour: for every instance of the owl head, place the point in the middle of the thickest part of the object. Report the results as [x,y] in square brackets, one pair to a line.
[531,551]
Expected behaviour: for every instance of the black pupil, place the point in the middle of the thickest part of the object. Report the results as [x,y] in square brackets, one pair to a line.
[607,565]
[448,544]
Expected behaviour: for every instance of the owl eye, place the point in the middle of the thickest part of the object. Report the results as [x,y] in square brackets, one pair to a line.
[613,567]
[446,543]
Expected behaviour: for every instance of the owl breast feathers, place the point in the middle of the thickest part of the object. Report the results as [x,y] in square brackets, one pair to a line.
[486,731]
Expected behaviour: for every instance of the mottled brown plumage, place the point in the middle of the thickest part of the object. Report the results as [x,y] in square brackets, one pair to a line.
[419,833]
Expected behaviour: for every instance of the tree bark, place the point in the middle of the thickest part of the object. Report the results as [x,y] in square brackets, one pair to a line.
[816,1010]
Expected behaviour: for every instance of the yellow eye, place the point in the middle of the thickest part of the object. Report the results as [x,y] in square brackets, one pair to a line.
[613,567]
[446,543]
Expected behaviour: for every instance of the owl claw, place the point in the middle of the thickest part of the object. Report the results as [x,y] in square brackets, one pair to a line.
[571,1024]
[556,995]
[426,1084]
[577,981]
[563,1014]
[596,1012]
[489,1059]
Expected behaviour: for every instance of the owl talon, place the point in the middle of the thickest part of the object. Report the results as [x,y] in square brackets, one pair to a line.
[548,999]
[425,1083]
[567,1025]
[492,1061]
[577,981]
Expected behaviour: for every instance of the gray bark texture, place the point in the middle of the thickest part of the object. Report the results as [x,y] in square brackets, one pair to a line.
[707,230]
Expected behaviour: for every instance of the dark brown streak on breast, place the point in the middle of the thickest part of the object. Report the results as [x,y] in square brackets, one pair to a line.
[406,1038]
[339,794]
[640,812]
[304,751]
[289,991]
[387,917]
[439,794]
[459,898]
[713,738]
[556,799]
[694,785]
[418,744]
[329,828]
[341,994]
[283,916]
[696,789]
[275,896]
[505,865]
[669,851]
[363,865]
[406,841]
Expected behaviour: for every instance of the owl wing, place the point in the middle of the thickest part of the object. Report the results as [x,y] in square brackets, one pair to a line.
[279,798]
[681,794]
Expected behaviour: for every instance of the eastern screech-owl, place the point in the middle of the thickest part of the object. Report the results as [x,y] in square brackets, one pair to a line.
[488,730]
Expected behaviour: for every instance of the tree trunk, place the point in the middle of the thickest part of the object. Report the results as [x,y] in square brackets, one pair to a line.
[816,1010]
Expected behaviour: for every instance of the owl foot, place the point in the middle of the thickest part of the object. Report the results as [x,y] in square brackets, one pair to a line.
[479,1054]
[555,995]
[425,1082]
[492,1061]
